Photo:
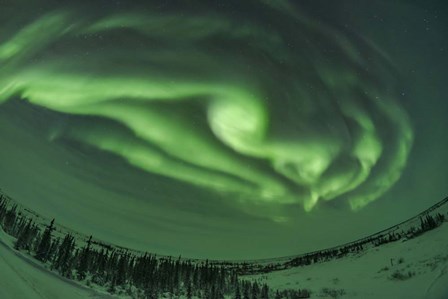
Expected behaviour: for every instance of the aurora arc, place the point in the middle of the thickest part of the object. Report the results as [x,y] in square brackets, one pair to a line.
[252,107]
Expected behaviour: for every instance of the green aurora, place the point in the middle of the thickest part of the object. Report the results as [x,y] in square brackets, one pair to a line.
[240,77]
[251,108]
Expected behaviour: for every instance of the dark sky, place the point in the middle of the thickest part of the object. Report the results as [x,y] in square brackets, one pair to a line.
[224,129]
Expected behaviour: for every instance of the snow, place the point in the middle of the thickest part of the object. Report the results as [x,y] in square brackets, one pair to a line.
[413,269]
[369,274]
[364,275]
[22,278]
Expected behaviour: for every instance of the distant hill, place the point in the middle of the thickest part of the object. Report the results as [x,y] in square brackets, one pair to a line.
[415,268]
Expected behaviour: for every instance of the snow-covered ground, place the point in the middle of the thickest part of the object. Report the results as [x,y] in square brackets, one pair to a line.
[413,269]
[23,278]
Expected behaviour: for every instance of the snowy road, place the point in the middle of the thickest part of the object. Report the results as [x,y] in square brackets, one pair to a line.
[24,279]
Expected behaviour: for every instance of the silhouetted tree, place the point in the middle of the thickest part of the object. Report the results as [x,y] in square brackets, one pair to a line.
[255,290]
[84,260]
[23,241]
[237,292]
[264,292]
[45,243]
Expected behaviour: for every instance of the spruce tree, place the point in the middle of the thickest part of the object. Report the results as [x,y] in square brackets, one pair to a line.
[120,276]
[189,291]
[246,290]
[264,292]
[84,260]
[278,295]
[237,292]
[255,290]
[10,219]
[3,207]
[64,256]
[24,238]
[45,243]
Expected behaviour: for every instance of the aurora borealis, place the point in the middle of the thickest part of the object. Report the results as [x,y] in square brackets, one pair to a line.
[199,119]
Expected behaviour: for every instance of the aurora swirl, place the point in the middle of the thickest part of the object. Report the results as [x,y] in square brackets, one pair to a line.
[278,108]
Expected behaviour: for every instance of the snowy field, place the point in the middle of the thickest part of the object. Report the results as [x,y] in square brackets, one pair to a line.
[413,269]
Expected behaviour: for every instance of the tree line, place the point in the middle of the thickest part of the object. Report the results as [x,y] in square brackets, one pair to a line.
[120,271]
[427,222]
[148,276]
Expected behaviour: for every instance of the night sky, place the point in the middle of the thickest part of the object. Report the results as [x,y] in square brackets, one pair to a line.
[224,129]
